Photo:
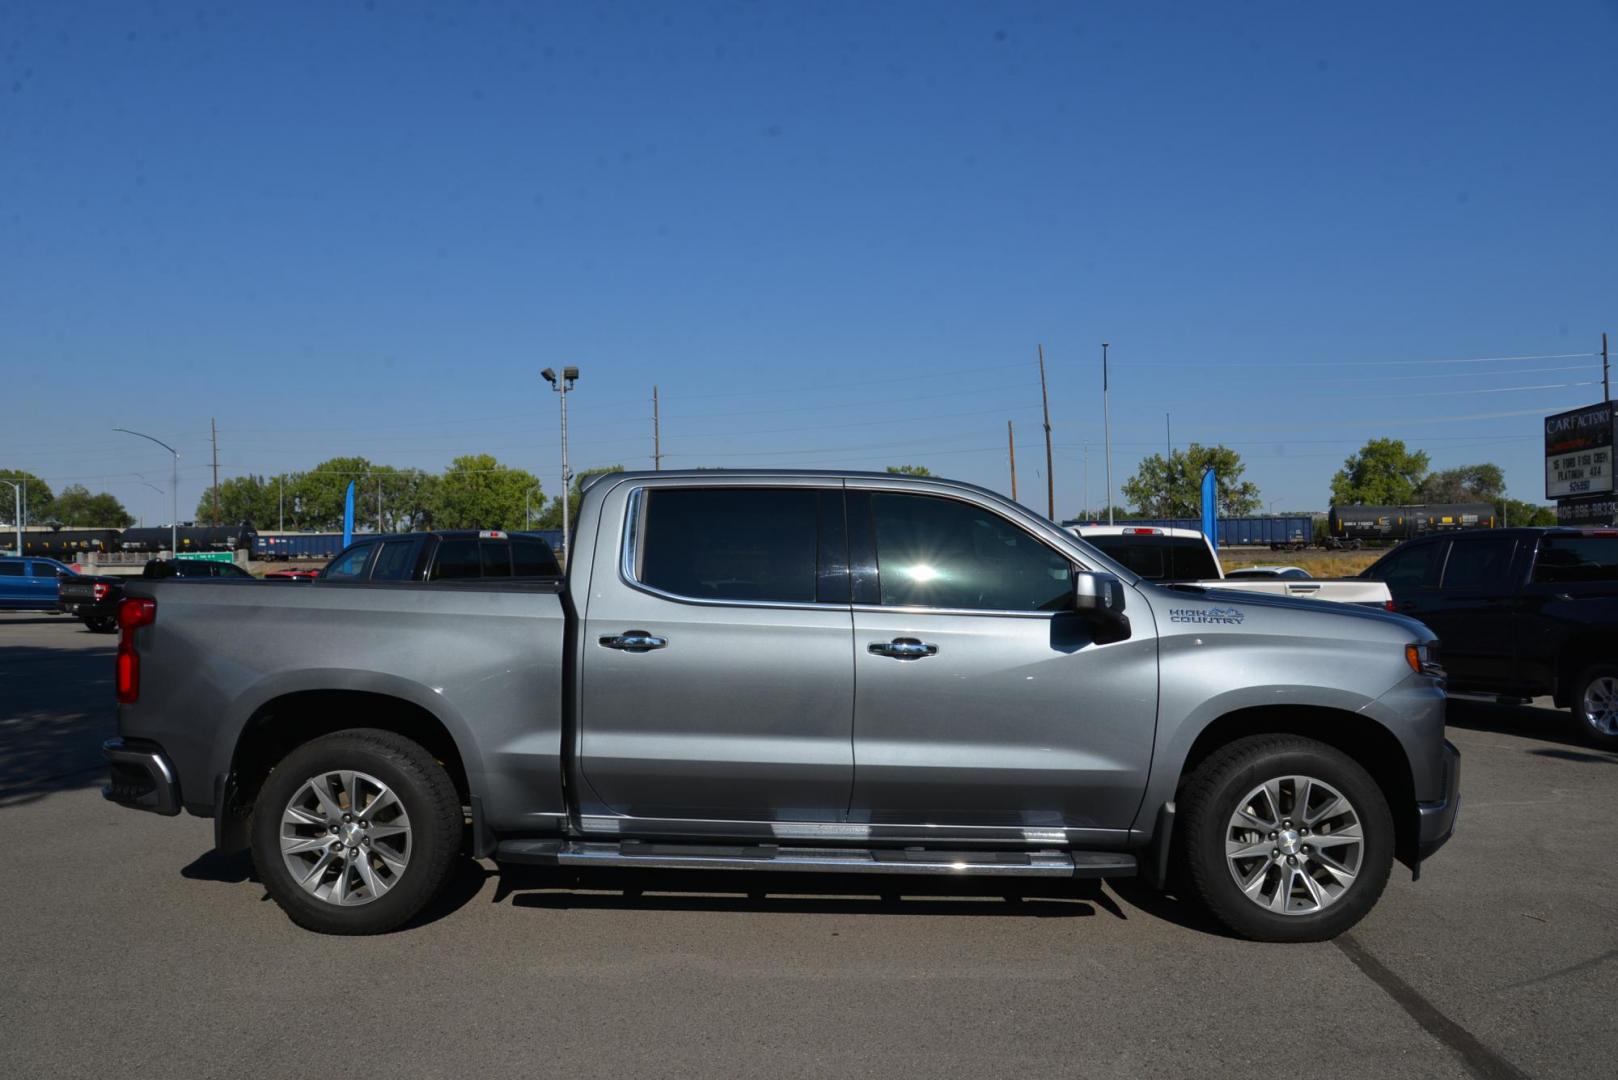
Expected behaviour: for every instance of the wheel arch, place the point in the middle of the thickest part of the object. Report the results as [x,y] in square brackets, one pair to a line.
[286,721]
[1370,744]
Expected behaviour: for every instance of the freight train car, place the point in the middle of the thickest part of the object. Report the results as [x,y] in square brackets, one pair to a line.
[285,546]
[1276,533]
[67,543]
[1358,526]
[190,538]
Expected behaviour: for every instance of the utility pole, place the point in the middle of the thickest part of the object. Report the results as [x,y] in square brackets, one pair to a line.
[1050,479]
[1012,443]
[1606,386]
[1106,419]
[213,431]
[1168,468]
[1087,506]
[281,502]
[657,440]
[379,502]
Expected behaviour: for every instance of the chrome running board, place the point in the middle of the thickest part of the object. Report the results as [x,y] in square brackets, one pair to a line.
[666,856]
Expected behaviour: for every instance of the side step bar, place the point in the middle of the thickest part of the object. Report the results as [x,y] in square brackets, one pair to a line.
[663,856]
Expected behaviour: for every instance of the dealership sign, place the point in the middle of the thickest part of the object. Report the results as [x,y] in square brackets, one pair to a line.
[1596,510]
[1578,452]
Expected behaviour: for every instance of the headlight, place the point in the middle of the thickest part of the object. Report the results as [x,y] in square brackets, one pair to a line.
[1423,659]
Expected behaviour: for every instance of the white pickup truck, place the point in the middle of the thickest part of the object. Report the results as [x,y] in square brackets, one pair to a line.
[1184,556]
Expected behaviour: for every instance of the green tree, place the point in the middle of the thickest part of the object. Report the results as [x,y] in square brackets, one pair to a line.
[1518,512]
[1465,483]
[477,492]
[36,498]
[910,470]
[1172,486]
[552,517]
[76,508]
[1098,515]
[1383,473]
[242,498]
[315,498]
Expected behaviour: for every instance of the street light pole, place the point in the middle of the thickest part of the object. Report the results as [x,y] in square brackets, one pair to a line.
[562,384]
[1106,419]
[16,498]
[174,489]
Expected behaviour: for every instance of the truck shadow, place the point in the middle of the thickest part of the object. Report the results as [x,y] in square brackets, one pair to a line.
[1525,721]
[796,894]
[56,707]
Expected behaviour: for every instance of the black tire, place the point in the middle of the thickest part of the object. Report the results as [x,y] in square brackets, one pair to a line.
[100,624]
[428,797]
[1591,725]
[1209,798]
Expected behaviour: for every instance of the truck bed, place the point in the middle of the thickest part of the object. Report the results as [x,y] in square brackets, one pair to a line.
[240,652]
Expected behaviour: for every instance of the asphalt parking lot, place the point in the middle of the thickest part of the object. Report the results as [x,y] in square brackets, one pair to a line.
[128,949]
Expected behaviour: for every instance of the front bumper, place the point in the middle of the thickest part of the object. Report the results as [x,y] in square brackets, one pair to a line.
[142,777]
[1436,820]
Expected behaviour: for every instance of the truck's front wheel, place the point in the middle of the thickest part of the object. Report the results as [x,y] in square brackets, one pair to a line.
[1595,703]
[356,832]
[1286,838]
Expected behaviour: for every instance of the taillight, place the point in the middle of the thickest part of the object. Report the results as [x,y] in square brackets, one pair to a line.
[133,613]
[1144,532]
[100,590]
[1387,605]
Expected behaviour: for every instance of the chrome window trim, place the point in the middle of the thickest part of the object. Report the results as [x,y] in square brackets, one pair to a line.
[998,613]
[631,562]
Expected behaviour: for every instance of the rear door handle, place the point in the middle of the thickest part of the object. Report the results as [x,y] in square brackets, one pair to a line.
[903,648]
[634,641]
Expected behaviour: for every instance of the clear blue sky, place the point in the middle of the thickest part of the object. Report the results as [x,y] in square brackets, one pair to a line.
[832,234]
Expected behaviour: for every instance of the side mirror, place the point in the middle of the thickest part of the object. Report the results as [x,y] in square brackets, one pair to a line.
[1100,598]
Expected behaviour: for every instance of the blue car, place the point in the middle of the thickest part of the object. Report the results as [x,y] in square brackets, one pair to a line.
[29,584]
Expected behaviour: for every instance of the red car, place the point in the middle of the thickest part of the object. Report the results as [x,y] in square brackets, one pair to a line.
[295,573]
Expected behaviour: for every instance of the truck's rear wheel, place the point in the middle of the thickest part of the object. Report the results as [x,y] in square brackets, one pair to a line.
[356,832]
[100,624]
[1595,704]
[1286,838]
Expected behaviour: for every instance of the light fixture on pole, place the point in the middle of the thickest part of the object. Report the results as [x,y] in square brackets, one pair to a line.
[562,384]
[174,488]
[16,498]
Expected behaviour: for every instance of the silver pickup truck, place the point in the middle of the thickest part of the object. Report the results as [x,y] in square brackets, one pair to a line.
[824,672]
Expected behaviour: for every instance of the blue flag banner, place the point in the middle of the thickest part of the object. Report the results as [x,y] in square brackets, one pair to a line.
[1210,507]
[348,515]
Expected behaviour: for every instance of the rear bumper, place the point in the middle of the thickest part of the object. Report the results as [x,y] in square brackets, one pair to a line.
[142,777]
[1437,819]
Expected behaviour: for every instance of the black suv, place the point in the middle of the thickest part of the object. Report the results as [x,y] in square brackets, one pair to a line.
[1519,613]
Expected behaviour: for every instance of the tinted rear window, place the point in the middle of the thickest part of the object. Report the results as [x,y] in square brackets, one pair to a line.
[533,558]
[11,569]
[730,543]
[495,557]
[1161,558]
[1577,558]
[457,559]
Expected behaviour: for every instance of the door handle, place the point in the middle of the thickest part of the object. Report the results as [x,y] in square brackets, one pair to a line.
[634,641]
[903,648]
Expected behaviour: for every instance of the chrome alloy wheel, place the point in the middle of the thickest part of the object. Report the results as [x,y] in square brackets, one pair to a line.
[1294,845]
[1601,704]
[345,838]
